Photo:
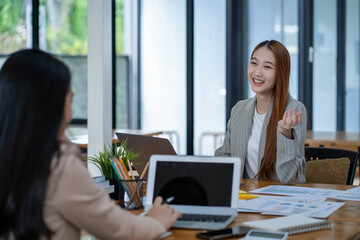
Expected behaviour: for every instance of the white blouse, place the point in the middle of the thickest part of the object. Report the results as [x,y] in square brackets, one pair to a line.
[252,161]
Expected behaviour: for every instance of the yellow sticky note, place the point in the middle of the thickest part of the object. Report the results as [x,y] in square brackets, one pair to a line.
[244,196]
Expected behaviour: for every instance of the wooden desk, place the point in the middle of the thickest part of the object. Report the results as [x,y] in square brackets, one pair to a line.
[79,135]
[345,221]
[342,140]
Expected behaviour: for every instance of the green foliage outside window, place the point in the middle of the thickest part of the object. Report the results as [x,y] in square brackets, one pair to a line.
[10,11]
[66,36]
[119,26]
[66,26]
[68,33]
[12,25]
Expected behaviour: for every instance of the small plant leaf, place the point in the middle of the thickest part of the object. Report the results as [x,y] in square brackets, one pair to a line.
[102,160]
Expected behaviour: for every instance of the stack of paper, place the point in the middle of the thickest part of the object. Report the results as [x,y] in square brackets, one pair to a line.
[350,195]
[278,205]
[295,191]
[304,201]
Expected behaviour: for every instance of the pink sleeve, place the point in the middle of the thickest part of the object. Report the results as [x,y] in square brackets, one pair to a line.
[86,206]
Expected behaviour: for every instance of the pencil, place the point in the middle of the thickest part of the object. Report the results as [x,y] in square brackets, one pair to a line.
[145,169]
[141,177]
[130,170]
[134,194]
[124,168]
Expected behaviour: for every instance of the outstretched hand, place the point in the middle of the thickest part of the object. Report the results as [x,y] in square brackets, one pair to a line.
[290,120]
[163,213]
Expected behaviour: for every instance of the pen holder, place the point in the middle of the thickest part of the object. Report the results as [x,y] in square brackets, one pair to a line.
[129,193]
[118,191]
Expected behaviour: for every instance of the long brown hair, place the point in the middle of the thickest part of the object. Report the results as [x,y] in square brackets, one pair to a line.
[281,94]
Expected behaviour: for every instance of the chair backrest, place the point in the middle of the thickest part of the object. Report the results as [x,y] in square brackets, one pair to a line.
[328,153]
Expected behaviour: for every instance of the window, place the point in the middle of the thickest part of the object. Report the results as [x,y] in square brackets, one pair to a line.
[209,74]
[14,27]
[324,66]
[277,20]
[122,24]
[163,69]
[65,35]
[352,101]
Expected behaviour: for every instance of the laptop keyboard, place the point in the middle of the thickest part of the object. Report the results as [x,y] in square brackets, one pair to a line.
[203,218]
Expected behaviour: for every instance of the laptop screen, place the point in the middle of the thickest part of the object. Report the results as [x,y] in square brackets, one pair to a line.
[194,183]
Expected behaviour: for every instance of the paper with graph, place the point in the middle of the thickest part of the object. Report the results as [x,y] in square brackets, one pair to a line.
[311,207]
[295,191]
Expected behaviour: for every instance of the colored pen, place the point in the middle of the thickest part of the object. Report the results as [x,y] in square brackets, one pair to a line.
[143,213]
[168,200]
[164,235]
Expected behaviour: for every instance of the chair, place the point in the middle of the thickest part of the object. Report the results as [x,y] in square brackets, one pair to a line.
[216,136]
[322,153]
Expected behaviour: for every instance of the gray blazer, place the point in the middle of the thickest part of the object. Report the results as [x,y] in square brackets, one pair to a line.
[290,160]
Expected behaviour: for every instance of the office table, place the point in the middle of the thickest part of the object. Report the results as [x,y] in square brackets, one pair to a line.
[79,135]
[345,221]
[342,140]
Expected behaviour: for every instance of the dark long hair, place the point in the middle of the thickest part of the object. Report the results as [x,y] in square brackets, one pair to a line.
[281,94]
[33,87]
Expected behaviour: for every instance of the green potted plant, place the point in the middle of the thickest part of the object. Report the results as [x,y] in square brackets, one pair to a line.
[102,161]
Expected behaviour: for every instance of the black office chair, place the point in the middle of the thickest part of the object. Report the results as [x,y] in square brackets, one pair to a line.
[329,153]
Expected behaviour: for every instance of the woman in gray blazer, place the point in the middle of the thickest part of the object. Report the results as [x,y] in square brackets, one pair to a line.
[268,131]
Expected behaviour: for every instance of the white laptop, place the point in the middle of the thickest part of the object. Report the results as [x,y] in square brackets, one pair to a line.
[204,189]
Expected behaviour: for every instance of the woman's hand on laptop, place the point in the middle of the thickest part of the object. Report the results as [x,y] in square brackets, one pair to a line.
[163,213]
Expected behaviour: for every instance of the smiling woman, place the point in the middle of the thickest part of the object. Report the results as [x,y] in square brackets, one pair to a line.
[261,73]
[268,131]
